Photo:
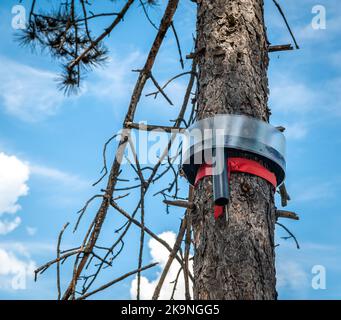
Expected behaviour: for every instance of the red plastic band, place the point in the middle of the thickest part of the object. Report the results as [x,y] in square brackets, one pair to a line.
[237,165]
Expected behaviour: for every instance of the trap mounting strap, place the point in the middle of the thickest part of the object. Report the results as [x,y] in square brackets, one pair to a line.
[237,165]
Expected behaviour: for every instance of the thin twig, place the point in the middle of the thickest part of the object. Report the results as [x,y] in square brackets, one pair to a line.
[286,22]
[170,259]
[176,280]
[283,47]
[44,267]
[169,81]
[141,246]
[160,89]
[178,44]
[83,210]
[107,31]
[58,258]
[104,169]
[290,233]
[188,244]
[180,203]
[147,15]
[109,284]
[284,195]
[155,128]
[147,230]
[287,214]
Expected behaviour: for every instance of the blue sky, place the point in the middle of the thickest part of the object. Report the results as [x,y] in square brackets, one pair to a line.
[51,145]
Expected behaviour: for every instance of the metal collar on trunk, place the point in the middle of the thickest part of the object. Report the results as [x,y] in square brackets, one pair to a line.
[212,139]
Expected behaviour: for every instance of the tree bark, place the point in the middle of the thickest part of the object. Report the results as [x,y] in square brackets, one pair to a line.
[234,259]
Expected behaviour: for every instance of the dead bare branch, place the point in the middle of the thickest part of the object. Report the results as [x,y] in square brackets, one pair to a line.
[291,235]
[58,258]
[172,255]
[287,214]
[286,22]
[109,284]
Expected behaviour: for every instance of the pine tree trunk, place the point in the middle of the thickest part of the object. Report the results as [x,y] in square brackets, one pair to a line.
[234,260]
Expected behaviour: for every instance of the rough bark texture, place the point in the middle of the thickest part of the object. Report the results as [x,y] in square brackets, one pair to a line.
[234,260]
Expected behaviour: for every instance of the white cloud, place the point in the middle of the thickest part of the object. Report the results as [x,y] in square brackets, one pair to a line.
[16,268]
[14,175]
[335,58]
[13,178]
[28,93]
[7,226]
[300,105]
[308,33]
[296,131]
[115,82]
[291,275]
[160,254]
[295,269]
[116,79]
[31,94]
[58,176]
[29,247]
[288,96]
[31,231]
[313,191]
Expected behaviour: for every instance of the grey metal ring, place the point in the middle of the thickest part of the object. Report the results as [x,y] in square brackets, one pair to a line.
[235,132]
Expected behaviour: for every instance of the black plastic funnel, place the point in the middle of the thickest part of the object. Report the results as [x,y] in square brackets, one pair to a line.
[220,176]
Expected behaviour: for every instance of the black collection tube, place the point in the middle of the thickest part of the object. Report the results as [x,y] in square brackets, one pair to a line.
[220,176]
